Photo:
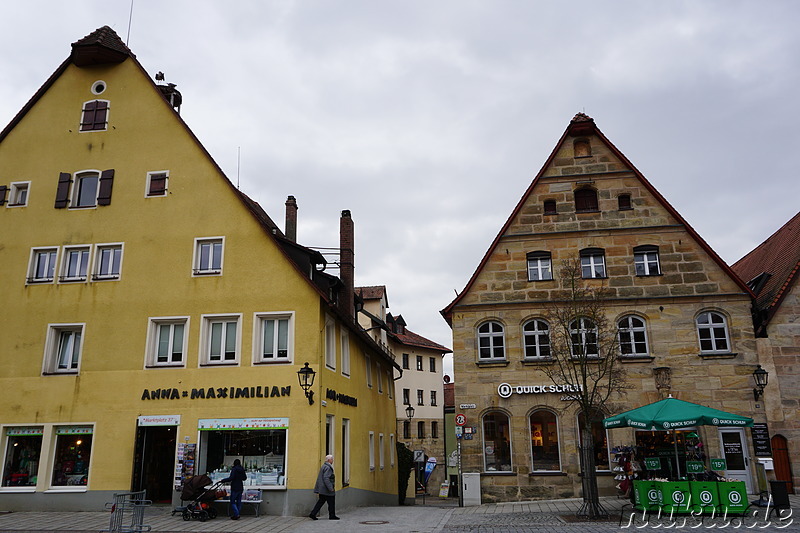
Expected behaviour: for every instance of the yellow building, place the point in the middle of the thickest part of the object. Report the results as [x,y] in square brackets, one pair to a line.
[157,318]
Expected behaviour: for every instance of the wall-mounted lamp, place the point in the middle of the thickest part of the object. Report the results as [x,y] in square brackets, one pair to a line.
[409,412]
[761,378]
[663,377]
[306,377]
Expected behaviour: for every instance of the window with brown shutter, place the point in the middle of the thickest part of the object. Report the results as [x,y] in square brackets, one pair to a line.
[62,193]
[94,116]
[585,200]
[157,185]
[106,184]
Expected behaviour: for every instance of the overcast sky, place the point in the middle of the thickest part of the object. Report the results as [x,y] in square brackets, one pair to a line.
[428,119]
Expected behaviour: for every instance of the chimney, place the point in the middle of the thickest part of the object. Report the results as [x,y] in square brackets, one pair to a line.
[346,264]
[291,219]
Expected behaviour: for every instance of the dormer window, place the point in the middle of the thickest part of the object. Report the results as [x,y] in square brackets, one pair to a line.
[95,116]
[585,200]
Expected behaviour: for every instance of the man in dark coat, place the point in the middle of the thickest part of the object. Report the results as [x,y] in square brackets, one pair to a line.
[325,489]
[237,487]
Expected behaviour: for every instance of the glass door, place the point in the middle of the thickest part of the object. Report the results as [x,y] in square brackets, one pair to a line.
[734,447]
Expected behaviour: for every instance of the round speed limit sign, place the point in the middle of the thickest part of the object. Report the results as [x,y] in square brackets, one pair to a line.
[461,419]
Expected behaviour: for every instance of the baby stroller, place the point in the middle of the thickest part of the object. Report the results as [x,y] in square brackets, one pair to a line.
[199,497]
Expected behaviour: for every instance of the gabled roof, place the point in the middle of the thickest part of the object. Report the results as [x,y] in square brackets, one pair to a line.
[582,125]
[374,292]
[101,46]
[776,261]
[409,338]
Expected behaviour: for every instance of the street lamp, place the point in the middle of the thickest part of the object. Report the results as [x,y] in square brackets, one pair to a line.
[761,378]
[306,377]
[409,412]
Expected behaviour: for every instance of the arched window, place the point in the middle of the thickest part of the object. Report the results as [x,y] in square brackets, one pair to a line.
[496,442]
[599,440]
[585,200]
[712,329]
[583,336]
[537,339]
[632,336]
[491,342]
[545,454]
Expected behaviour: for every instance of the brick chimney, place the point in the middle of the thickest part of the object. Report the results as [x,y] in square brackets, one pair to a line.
[346,264]
[291,219]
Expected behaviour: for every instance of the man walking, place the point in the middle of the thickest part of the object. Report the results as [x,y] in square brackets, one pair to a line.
[325,489]
[236,478]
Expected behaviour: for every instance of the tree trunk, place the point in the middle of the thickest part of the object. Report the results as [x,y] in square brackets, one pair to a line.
[591,508]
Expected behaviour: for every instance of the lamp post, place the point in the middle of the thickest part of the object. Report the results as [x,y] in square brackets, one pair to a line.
[306,377]
[761,378]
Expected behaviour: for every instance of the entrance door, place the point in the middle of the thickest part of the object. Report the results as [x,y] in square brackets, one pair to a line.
[780,457]
[734,446]
[154,462]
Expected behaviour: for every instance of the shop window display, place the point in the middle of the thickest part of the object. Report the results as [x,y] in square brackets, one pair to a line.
[600,440]
[21,462]
[544,442]
[496,443]
[262,453]
[71,461]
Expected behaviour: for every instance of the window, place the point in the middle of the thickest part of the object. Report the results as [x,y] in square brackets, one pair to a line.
[405,361]
[583,334]
[208,256]
[434,429]
[72,454]
[330,436]
[496,442]
[421,429]
[432,363]
[581,148]
[545,453]
[379,374]
[550,207]
[537,339]
[89,188]
[406,397]
[585,200]
[107,262]
[345,338]
[712,329]
[632,337]
[491,342]
[420,397]
[433,397]
[599,441]
[419,363]
[368,364]
[95,115]
[593,263]
[624,202]
[539,266]
[21,461]
[63,348]
[43,265]
[381,459]
[330,343]
[389,384]
[275,338]
[645,259]
[406,429]
[220,340]
[84,193]
[345,451]
[262,450]
[392,447]
[156,184]
[167,341]
[18,196]
[371,451]
[76,263]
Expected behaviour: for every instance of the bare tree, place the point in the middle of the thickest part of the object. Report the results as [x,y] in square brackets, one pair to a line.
[585,359]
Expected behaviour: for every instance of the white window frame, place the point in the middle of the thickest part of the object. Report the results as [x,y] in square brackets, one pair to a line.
[83,110]
[147,184]
[631,330]
[581,331]
[713,326]
[536,335]
[346,450]
[53,347]
[260,323]
[406,396]
[392,446]
[153,338]
[381,453]
[540,266]
[199,269]
[591,262]
[75,189]
[379,375]
[330,343]
[419,363]
[54,436]
[648,261]
[330,425]
[15,188]
[420,397]
[345,341]
[371,451]
[433,398]
[99,249]
[492,337]
[207,322]
[52,263]
[85,251]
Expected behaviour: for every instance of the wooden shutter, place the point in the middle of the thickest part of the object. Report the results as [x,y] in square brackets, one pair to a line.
[158,184]
[3,194]
[106,183]
[62,193]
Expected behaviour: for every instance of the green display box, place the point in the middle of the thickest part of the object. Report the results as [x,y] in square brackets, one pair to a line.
[732,497]
[675,497]
[705,496]
[647,494]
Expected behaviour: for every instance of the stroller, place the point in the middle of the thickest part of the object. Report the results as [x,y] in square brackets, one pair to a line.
[199,497]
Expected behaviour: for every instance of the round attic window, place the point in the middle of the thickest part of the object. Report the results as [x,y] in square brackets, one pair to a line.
[98,87]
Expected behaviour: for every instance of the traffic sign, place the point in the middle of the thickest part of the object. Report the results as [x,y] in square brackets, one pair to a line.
[461,419]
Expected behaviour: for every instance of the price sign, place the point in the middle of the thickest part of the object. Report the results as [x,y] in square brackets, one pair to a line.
[652,463]
[718,464]
[461,419]
[695,467]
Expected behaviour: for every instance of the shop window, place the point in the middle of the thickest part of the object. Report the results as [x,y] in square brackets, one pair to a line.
[330,343]
[167,341]
[660,444]
[156,184]
[94,116]
[491,341]
[632,337]
[593,263]
[42,266]
[220,340]
[586,200]
[208,256]
[545,453]
[75,263]
[275,338]
[583,337]
[262,452]
[645,259]
[107,262]
[550,207]
[63,348]
[496,443]
[18,194]
[419,363]
[345,338]
[537,339]
[712,329]
[21,461]
[624,202]
[405,361]
[72,454]
[599,441]
[539,266]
